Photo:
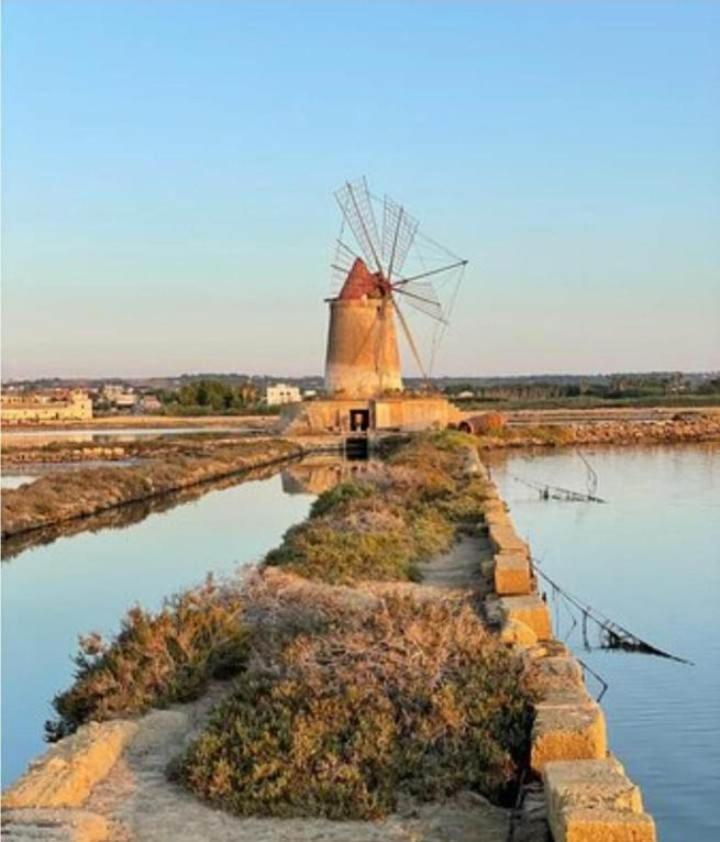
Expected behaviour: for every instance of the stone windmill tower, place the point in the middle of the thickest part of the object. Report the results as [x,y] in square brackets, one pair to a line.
[363,359]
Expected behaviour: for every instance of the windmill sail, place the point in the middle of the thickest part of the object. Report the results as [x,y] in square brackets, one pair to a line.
[376,269]
[357,208]
[399,230]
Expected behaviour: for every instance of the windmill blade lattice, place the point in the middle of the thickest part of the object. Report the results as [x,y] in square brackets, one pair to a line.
[409,267]
[357,208]
[399,229]
[421,295]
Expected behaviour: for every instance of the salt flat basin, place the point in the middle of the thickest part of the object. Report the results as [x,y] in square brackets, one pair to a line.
[650,560]
[52,593]
[39,437]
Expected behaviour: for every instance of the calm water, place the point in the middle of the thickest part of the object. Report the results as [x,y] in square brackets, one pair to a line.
[16,480]
[39,437]
[52,593]
[650,560]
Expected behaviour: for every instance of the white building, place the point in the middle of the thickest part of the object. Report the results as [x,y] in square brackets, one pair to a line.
[281,393]
[119,396]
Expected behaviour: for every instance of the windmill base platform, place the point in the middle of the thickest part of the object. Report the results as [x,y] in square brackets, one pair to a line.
[347,416]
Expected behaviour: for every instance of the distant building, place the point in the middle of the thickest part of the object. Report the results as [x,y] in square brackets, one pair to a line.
[465,396]
[150,404]
[46,407]
[281,393]
[119,396]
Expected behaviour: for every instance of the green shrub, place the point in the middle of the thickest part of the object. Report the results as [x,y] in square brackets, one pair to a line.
[318,550]
[155,660]
[400,514]
[417,699]
[338,496]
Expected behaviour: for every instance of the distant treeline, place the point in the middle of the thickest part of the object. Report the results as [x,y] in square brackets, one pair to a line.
[202,397]
[643,389]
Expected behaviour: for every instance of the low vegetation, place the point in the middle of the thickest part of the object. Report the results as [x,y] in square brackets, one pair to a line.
[400,513]
[352,685]
[156,659]
[63,496]
[415,699]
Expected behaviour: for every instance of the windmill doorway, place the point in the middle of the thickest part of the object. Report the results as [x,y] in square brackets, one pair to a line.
[359,420]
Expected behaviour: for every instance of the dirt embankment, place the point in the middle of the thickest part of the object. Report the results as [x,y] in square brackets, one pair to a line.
[62,497]
[24,450]
[676,430]
[120,517]
[386,707]
[105,422]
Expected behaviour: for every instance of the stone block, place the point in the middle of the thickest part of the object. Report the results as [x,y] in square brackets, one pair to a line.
[504,538]
[496,516]
[512,574]
[53,825]
[568,726]
[493,505]
[549,649]
[589,784]
[530,610]
[65,775]
[517,634]
[594,825]
[557,672]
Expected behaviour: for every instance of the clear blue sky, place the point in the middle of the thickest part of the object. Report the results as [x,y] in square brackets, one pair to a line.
[168,170]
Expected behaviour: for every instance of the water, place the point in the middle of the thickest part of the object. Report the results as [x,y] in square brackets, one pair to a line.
[650,560]
[52,593]
[111,435]
[15,480]
[16,475]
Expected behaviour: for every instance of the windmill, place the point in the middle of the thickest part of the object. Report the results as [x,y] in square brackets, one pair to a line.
[382,263]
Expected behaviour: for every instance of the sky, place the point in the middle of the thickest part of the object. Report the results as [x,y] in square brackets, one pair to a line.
[169,168]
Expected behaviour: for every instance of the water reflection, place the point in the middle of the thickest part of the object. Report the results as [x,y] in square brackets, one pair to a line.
[38,438]
[125,515]
[16,480]
[85,576]
[649,559]
[316,474]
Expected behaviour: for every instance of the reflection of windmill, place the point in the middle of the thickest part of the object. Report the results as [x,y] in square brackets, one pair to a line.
[382,259]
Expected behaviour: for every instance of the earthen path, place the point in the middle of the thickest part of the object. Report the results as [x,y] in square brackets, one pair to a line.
[461,567]
[142,805]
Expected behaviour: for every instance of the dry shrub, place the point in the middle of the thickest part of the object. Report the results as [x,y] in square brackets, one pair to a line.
[413,697]
[156,659]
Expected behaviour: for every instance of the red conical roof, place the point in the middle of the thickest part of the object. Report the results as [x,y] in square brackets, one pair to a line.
[361,282]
